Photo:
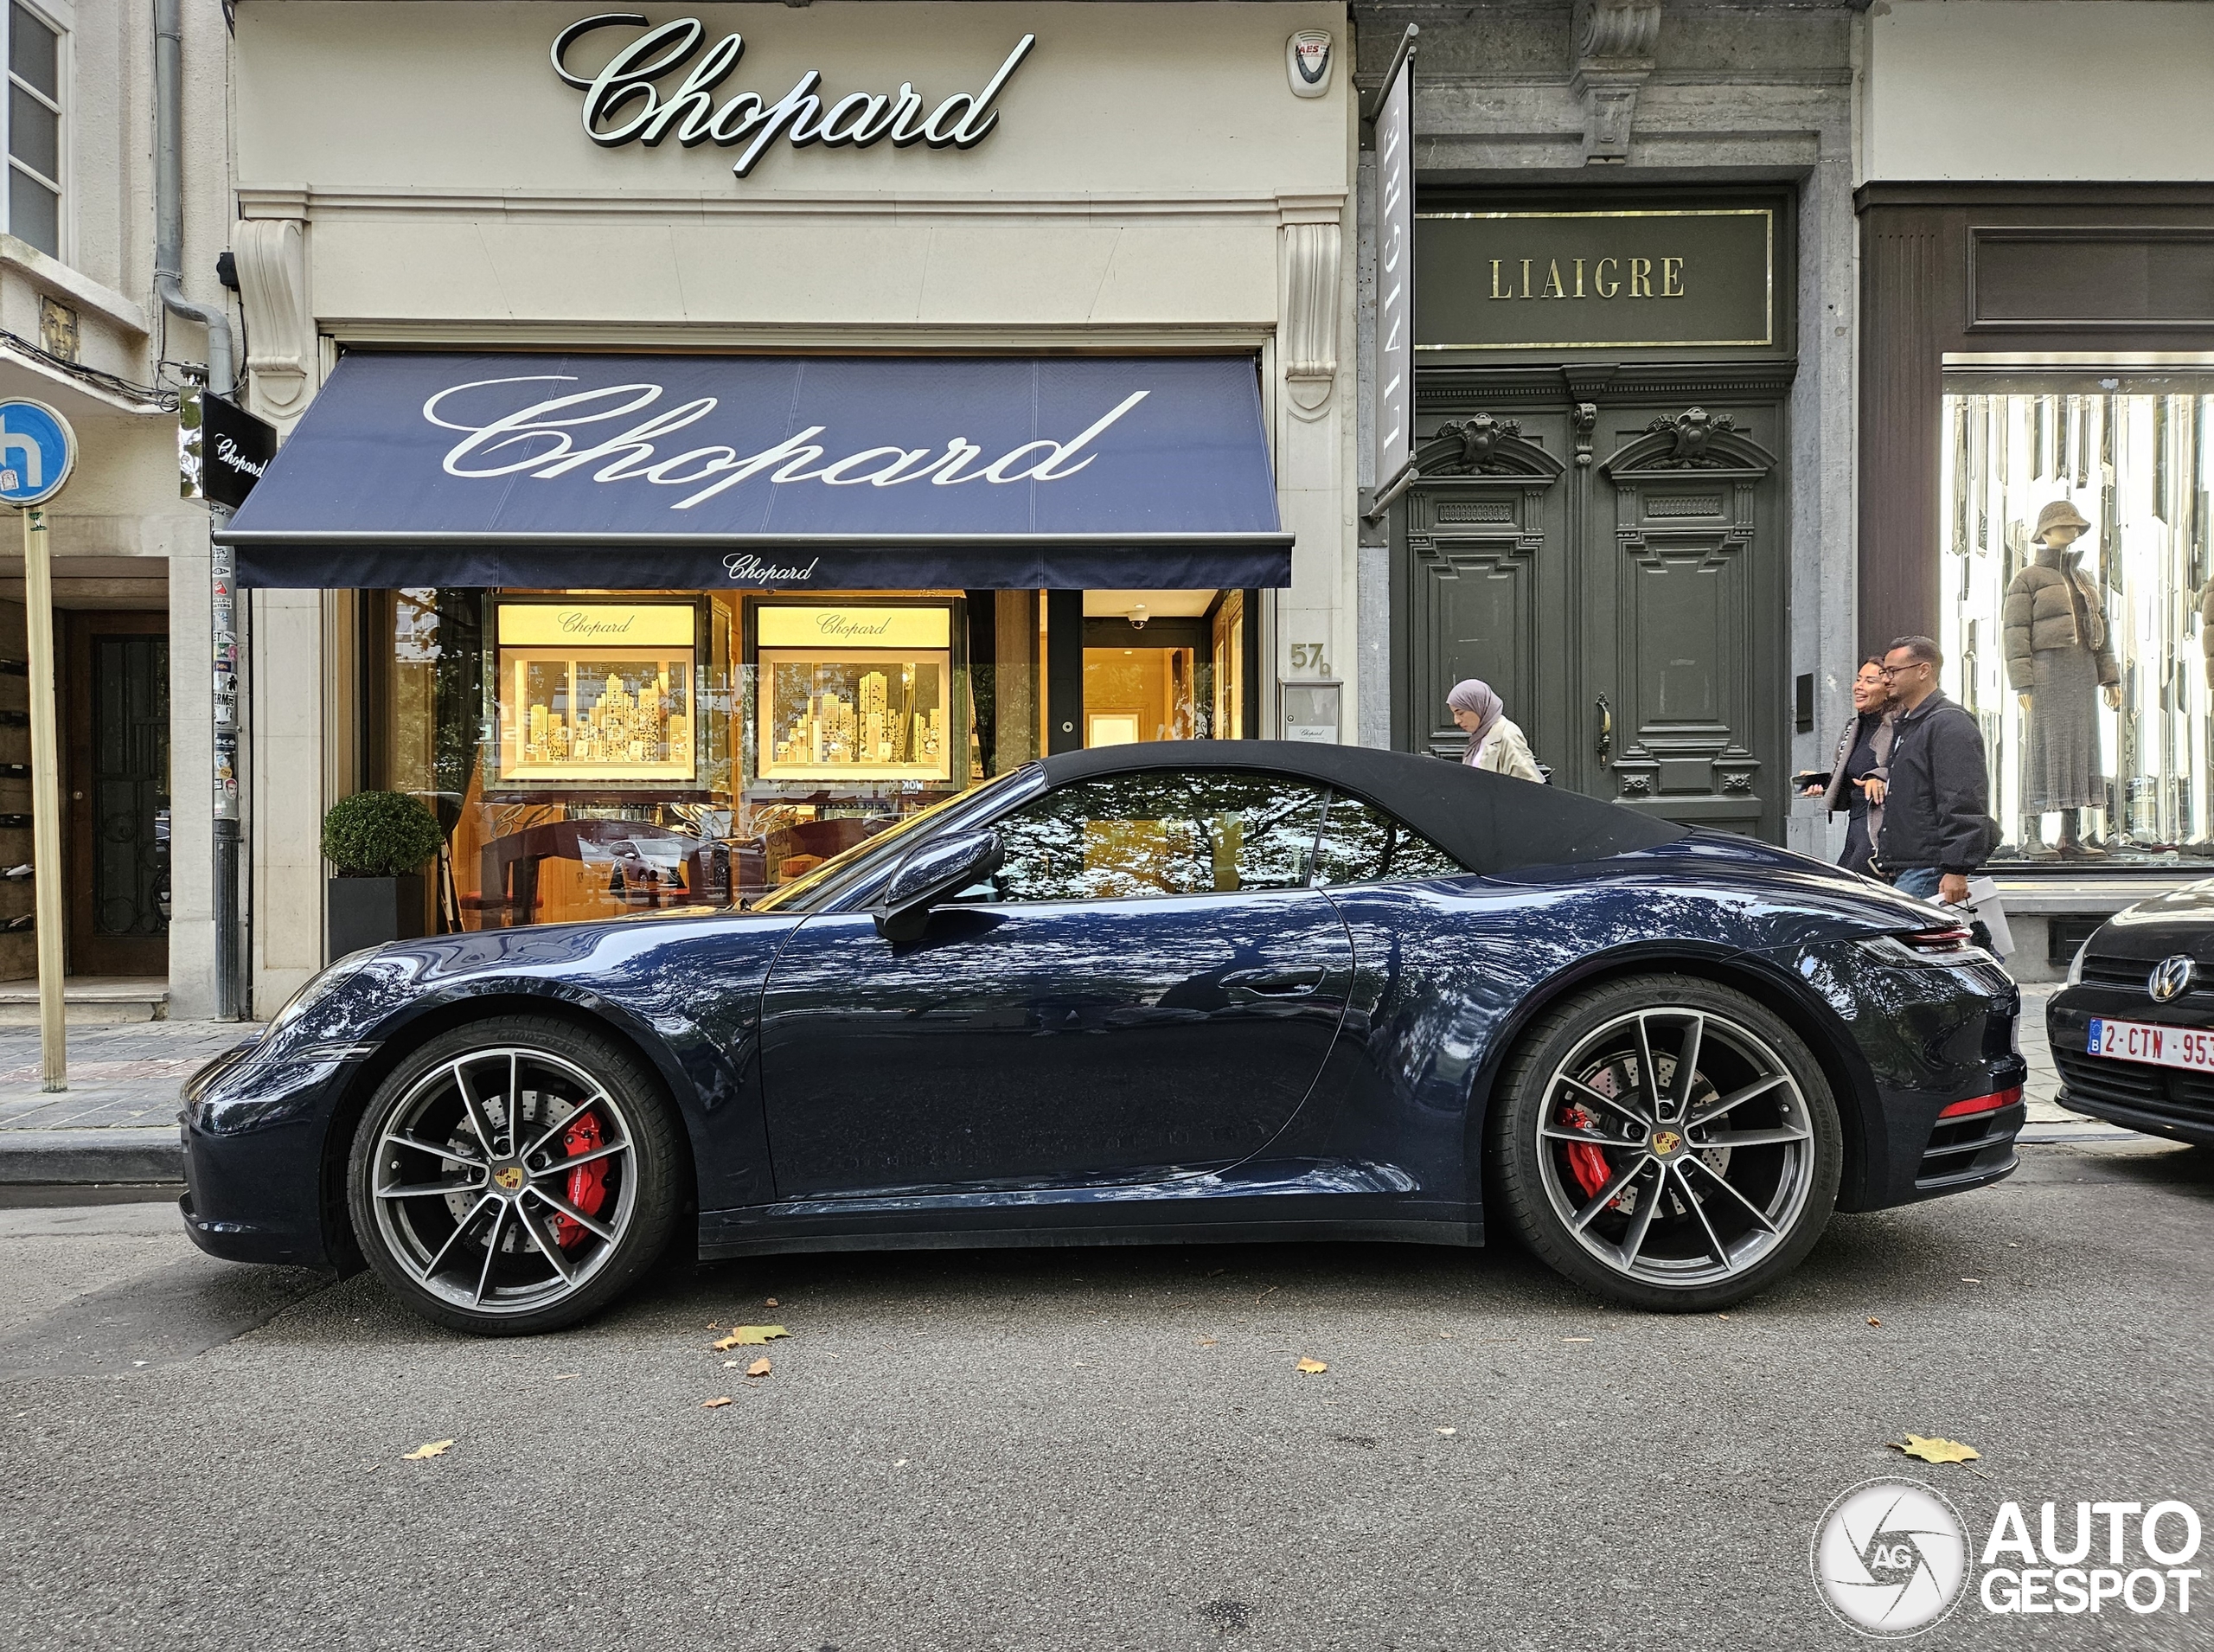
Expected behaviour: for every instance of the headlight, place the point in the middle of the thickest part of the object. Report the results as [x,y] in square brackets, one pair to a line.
[2076,966]
[319,986]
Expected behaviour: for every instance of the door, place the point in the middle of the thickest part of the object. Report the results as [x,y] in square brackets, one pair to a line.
[1617,572]
[1683,621]
[1146,989]
[116,700]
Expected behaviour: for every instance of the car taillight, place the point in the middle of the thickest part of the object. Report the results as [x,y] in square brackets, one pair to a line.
[1990,1104]
[1950,943]
[1938,942]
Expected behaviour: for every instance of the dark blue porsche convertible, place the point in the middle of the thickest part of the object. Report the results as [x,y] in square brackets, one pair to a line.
[1176,992]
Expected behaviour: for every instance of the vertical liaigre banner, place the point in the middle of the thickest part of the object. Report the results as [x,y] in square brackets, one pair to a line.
[1395,269]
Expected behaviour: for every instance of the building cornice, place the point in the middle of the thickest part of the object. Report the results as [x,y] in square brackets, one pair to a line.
[294,200]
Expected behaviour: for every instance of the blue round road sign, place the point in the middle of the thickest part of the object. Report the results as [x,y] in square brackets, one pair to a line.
[37,451]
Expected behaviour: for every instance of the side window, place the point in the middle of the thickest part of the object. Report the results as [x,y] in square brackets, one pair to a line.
[1362,844]
[1161,833]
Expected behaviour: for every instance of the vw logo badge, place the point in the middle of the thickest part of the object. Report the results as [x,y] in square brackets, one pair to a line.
[2170,978]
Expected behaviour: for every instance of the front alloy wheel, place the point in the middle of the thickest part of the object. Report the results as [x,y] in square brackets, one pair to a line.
[1668,1143]
[514,1176]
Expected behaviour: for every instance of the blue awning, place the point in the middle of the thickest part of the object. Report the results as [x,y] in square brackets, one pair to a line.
[873,473]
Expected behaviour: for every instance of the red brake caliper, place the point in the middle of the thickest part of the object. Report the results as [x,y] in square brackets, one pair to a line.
[1585,1158]
[587,1189]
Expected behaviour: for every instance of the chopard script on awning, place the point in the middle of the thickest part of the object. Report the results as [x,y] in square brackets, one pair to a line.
[534,439]
[623,104]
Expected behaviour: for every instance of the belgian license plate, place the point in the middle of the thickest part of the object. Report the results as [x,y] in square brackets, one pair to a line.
[2163,1047]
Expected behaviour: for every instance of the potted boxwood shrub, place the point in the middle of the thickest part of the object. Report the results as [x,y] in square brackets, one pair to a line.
[379,840]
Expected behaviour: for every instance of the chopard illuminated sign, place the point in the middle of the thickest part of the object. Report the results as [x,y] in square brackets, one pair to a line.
[536,440]
[623,104]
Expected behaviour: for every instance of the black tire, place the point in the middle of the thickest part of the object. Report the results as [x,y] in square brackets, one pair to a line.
[1719,1222]
[563,1240]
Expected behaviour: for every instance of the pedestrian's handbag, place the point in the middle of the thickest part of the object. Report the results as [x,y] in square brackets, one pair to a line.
[1990,917]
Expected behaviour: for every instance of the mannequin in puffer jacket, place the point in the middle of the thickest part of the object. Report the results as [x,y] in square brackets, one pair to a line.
[2058,661]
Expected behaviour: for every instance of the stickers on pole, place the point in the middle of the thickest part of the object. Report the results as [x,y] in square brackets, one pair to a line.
[37,451]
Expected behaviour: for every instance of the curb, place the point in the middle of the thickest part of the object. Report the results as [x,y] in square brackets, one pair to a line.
[90,1155]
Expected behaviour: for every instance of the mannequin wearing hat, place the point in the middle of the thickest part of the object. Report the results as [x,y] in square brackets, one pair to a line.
[2058,661]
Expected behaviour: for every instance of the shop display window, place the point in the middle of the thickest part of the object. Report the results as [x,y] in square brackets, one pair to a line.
[600,692]
[2077,608]
[596,754]
[830,710]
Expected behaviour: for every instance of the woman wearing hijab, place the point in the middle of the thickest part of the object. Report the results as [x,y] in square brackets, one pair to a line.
[1494,742]
[1861,770]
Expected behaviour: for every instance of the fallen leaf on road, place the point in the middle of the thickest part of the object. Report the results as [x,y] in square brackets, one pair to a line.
[1208,1341]
[1933,1450]
[718,1401]
[428,1449]
[751,1336]
[758,1368]
[1312,1367]
[1877,1322]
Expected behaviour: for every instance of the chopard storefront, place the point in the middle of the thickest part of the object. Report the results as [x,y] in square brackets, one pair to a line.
[711,436]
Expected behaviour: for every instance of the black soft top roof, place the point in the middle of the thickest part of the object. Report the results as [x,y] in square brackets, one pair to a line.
[1489,822]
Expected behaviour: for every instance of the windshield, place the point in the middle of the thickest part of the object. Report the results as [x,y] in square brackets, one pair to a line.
[819,883]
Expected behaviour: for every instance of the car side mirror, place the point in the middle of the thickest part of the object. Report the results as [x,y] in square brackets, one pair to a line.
[929,876]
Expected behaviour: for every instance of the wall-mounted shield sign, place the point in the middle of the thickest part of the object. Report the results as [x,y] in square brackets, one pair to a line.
[1309,58]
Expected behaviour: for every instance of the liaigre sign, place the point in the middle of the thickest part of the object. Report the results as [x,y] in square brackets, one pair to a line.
[657,85]
[1628,279]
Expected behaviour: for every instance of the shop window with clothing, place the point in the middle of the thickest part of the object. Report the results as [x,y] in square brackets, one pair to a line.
[2078,609]
[2038,386]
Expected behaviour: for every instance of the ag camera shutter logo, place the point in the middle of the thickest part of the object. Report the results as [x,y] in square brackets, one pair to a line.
[1889,1558]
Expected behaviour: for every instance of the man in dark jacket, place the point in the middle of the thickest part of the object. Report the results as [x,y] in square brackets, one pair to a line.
[1937,825]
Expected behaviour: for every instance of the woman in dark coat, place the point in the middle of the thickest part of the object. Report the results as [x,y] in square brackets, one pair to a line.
[1860,771]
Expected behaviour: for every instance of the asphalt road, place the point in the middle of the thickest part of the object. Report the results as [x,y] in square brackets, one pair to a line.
[1093,1448]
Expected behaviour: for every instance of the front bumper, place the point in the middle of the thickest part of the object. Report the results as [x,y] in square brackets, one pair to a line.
[2159,1101]
[1927,1037]
[253,1130]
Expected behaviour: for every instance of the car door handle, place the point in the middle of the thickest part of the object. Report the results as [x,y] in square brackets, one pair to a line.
[1276,984]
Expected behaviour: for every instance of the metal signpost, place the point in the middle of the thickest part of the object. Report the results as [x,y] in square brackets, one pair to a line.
[37,451]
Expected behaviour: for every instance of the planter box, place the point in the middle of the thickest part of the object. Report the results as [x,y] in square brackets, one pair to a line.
[368,912]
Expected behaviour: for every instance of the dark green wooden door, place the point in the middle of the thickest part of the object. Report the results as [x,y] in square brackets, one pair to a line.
[1617,574]
[119,794]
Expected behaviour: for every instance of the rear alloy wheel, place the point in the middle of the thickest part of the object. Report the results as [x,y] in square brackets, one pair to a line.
[1668,1143]
[514,1176]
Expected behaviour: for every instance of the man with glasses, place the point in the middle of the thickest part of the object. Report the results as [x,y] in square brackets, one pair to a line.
[1937,826]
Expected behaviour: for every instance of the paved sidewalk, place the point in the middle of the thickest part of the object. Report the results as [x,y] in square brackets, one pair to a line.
[116,1121]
